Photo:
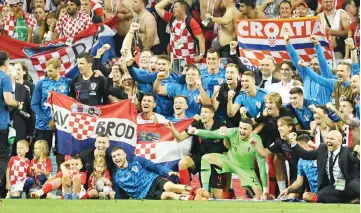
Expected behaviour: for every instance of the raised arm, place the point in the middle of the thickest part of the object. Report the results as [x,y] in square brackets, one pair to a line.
[328,83]
[177,135]
[235,59]
[226,19]
[354,58]
[232,108]
[159,8]
[294,56]
[346,119]
[157,87]
[324,67]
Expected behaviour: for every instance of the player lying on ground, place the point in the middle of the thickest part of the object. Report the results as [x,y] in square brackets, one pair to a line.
[142,179]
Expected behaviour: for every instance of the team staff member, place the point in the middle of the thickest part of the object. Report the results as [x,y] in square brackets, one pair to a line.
[86,88]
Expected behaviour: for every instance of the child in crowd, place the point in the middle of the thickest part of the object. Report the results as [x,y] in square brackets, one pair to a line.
[18,171]
[99,183]
[40,166]
[72,180]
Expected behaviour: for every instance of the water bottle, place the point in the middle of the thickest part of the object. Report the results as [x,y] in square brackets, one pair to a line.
[24,114]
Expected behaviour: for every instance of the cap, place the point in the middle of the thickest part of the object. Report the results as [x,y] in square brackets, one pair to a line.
[15,1]
[303,3]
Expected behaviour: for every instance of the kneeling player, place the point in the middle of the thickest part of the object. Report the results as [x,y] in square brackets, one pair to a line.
[200,147]
[240,157]
[142,179]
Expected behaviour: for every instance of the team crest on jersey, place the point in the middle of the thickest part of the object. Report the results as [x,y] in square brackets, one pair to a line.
[248,149]
[93,85]
[62,88]
[342,98]
[82,120]
[220,81]
[307,117]
[135,169]
[258,104]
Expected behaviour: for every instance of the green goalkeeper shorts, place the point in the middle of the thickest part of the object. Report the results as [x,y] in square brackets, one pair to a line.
[247,176]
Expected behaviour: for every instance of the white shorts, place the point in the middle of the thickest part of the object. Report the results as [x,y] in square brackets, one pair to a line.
[18,187]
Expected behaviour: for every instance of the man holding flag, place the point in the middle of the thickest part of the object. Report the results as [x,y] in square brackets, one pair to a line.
[45,124]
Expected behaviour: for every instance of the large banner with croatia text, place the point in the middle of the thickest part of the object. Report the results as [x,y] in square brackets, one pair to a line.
[77,124]
[155,142]
[264,38]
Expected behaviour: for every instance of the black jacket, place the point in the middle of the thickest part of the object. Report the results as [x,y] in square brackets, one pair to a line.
[258,74]
[349,164]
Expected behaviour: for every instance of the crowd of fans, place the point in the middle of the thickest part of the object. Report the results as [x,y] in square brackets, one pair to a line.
[299,120]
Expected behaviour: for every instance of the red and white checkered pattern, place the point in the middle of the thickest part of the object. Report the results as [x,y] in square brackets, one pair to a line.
[19,169]
[81,125]
[43,166]
[65,54]
[253,57]
[272,41]
[179,32]
[69,27]
[146,150]
[8,23]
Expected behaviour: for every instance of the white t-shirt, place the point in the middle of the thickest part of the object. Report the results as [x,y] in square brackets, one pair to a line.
[160,118]
[284,91]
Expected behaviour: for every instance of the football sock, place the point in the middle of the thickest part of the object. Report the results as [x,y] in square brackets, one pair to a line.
[205,174]
[184,177]
[281,185]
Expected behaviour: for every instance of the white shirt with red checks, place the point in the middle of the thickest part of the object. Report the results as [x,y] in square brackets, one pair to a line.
[69,27]
[181,41]
[45,166]
[19,169]
[8,23]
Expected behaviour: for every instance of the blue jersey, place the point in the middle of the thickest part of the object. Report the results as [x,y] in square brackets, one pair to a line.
[211,80]
[254,105]
[40,96]
[175,120]
[137,178]
[5,86]
[164,105]
[145,88]
[304,115]
[308,168]
[181,89]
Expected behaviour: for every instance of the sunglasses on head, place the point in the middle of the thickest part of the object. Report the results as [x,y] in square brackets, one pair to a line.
[17,5]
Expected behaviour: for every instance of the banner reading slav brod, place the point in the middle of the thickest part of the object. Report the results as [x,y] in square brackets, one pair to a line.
[77,124]
[258,39]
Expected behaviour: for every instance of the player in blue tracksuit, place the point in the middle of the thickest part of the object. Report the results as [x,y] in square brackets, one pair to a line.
[44,124]
[313,90]
[164,104]
[142,179]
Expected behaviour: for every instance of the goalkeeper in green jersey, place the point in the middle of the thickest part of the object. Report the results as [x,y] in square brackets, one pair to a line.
[239,158]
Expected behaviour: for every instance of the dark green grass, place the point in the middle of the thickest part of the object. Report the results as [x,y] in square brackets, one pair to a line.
[109,206]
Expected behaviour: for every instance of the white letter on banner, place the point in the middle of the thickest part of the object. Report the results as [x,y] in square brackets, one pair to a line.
[272,26]
[298,25]
[317,29]
[241,26]
[256,28]
[286,27]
